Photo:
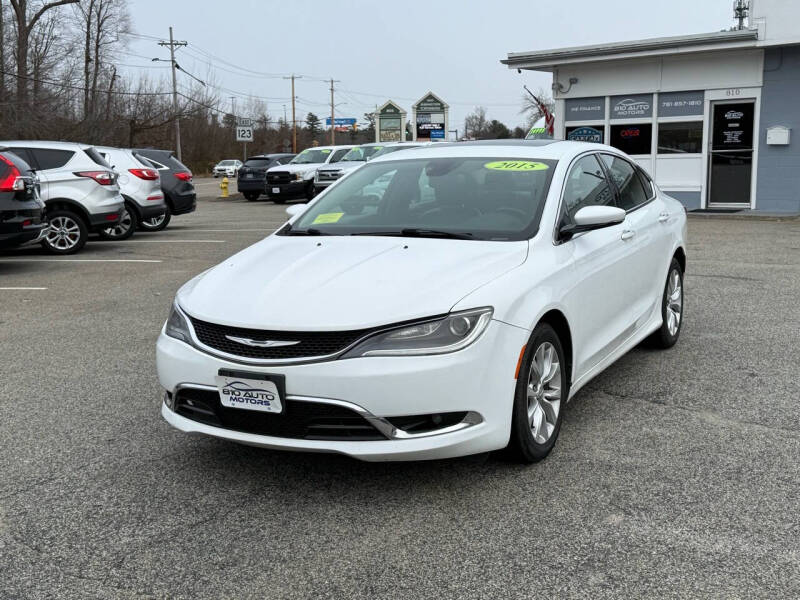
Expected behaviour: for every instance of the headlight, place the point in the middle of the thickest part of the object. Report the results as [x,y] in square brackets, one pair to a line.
[439,336]
[177,327]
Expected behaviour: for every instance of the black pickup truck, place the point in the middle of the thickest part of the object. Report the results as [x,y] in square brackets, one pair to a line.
[252,177]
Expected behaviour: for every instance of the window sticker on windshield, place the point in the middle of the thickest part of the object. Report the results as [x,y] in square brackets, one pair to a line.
[515,165]
[327,218]
[325,151]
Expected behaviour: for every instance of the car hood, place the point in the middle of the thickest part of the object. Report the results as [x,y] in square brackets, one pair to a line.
[295,168]
[344,282]
[347,165]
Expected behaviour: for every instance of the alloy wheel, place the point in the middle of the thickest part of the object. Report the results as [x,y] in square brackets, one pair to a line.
[122,227]
[674,302]
[155,221]
[64,233]
[544,392]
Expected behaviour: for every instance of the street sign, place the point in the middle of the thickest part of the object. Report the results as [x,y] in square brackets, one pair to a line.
[244,134]
[341,122]
[244,122]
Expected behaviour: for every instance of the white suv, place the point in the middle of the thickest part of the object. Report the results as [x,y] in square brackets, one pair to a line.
[227,168]
[140,186]
[78,187]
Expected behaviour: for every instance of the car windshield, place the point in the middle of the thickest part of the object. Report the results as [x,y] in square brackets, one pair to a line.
[389,149]
[361,153]
[226,163]
[311,155]
[456,197]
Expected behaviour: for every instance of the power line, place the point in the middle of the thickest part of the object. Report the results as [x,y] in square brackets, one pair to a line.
[81,88]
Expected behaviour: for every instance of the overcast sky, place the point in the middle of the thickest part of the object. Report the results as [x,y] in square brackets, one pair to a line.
[396,49]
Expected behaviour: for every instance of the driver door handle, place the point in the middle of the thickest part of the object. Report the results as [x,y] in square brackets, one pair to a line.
[663,217]
[627,234]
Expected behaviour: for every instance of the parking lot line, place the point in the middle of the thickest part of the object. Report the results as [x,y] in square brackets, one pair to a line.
[86,260]
[8,289]
[171,241]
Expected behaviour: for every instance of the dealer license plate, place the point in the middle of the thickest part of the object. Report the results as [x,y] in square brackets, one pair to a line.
[276,190]
[249,394]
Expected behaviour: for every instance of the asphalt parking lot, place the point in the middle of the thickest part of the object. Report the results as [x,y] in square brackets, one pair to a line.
[676,473]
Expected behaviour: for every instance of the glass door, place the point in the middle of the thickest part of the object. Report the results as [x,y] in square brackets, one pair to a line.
[730,157]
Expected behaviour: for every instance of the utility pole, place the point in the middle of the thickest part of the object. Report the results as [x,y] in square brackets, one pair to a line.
[172,45]
[333,120]
[294,116]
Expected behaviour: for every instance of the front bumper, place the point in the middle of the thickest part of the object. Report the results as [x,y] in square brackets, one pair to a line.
[478,380]
[247,184]
[293,189]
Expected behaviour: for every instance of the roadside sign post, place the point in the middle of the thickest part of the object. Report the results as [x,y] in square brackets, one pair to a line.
[390,123]
[244,132]
[431,116]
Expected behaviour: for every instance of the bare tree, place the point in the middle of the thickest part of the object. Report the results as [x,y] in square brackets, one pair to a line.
[25,26]
[475,123]
[532,110]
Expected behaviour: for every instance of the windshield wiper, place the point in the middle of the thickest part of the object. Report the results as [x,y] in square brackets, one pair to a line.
[309,231]
[417,232]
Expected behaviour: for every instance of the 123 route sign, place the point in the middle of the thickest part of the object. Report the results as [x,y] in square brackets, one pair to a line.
[244,134]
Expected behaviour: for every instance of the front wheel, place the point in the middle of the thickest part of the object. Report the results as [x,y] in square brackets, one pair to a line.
[671,309]
[251,196]
[124,229]
[542,390]
[157,223]
[310,192]
[66,234]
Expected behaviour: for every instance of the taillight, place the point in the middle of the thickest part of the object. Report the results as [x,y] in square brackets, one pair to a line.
[13,181]
[147,174]
[184,176]
[101,177]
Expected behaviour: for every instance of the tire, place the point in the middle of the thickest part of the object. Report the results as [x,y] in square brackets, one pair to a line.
[539,400]
[156,223]
[125,228]
[67,233]
[671,310]
[251,196]
[310,193]
[279,200]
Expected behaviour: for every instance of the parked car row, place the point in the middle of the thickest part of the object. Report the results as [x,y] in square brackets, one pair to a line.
[285,177]
[84,189]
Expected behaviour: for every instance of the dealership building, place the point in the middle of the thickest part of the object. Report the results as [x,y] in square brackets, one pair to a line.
[709,116]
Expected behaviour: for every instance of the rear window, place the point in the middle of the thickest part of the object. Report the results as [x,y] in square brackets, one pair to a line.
[96,157]
[51,159]
[258,162]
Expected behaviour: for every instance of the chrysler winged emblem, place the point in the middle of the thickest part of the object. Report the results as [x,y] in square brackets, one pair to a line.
[262,343]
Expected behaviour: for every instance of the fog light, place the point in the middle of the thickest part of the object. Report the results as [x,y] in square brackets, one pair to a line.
[169,401]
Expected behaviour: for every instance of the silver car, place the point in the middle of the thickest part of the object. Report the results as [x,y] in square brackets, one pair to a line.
[140,186]
[79,189]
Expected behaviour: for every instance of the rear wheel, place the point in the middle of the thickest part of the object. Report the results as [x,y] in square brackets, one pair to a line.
[157,223]
[278,200]
[125,228]
[251,196]
[671,309]
[310,190]
[542,390]
[67,232]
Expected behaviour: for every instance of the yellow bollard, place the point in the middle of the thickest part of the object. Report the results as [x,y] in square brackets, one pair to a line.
[224,187]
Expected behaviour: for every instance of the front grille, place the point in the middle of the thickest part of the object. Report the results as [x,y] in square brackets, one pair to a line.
[299,419]
[279,177]
[329,175]
[310,343]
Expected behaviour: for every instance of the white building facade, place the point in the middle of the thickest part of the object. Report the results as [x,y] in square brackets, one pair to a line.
[709,116]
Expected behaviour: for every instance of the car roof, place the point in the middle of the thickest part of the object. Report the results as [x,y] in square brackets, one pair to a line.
[540,149]
[275,155]
[337,147]
[46,144]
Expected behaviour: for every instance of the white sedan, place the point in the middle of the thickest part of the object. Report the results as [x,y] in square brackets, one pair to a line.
[435,303]
[226,168]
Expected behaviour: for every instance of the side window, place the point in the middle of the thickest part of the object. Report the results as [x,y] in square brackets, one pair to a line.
[338,154]
[649,190]
[51,159]
[624,176]
[586,185]
[25,155]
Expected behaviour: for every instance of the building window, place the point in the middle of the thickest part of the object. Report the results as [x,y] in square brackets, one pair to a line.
[633,139]
[586,133]
[680,138]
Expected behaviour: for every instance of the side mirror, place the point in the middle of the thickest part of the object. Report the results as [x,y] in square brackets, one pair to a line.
[592,217]
[295,209]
